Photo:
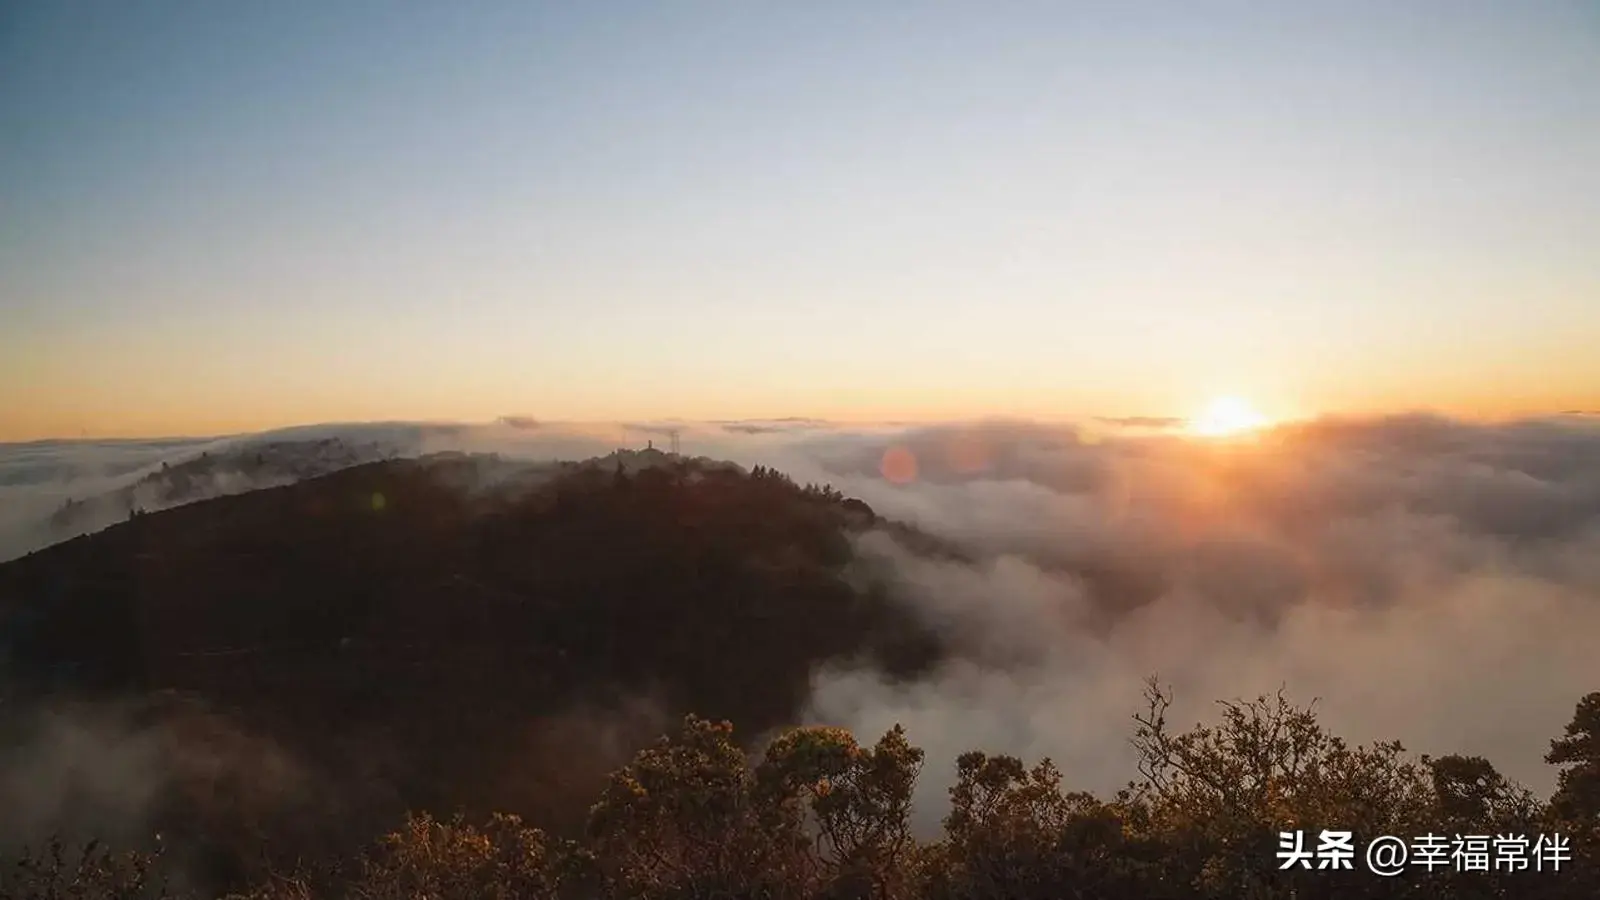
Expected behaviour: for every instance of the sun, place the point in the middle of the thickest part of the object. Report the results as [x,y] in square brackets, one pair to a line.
[1225,416]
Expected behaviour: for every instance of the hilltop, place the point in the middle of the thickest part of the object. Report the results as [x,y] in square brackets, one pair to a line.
[212,473]
[457,631]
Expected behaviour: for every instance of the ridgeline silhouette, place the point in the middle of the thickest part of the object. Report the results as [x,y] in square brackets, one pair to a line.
[303,667]
[455,632]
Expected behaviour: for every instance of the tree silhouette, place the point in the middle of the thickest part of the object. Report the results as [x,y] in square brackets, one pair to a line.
[817,816]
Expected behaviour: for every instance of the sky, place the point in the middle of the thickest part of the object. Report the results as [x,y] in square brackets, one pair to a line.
[220,217]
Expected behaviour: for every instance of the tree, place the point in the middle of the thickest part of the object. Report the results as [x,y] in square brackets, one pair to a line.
[1013,832]
[1472,798]
[1469,793]
[93,872]
[819,816]
[678,821]
[432,860]
[1575,807]
[1577,797]
[1223,793]
[858,801]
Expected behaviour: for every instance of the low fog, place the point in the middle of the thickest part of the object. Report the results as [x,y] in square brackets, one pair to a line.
[1421,578]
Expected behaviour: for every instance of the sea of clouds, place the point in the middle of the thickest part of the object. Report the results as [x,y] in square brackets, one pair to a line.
[1421,578]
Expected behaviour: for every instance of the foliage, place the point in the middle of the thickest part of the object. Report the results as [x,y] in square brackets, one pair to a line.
[447,860]
[1227,790]
[1575,808]
[1577,798]
[93,872]
[817,816]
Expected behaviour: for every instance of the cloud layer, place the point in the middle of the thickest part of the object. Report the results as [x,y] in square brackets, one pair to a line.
[1423,579]
[1426,579]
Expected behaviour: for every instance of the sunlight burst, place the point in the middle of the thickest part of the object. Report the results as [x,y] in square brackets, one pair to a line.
[1226,416]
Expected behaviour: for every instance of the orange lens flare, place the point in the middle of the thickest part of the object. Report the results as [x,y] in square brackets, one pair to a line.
[899,465]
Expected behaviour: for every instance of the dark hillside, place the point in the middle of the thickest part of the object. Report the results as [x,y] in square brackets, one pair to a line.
[428,630]
[228,470]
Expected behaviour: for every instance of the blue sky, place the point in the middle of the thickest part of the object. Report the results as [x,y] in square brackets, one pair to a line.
[217,216]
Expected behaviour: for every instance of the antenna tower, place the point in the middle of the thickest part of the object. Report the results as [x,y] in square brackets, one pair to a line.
[674,434]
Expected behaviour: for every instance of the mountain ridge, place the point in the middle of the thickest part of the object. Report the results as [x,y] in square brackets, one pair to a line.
[423,629]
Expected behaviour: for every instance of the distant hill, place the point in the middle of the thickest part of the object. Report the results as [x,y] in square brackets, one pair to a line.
[455,631]
[211,474]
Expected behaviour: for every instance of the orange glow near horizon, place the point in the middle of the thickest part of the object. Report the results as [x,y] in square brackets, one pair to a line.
[103,404]
[1227,417]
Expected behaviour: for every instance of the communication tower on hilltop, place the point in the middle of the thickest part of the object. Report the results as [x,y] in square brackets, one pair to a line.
[674,435]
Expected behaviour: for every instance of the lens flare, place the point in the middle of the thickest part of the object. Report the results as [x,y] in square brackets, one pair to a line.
[899,465]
